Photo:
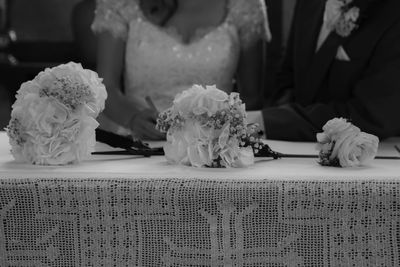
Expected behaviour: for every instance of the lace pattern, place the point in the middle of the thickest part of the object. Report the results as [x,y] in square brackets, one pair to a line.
[114,16]
[251,20]
[160,65]
[193,222]
[248,16]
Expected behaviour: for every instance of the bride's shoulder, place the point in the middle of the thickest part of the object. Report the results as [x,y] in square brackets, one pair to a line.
[246,9]
[116,4]
[250,17]
[123,8]
[115,15]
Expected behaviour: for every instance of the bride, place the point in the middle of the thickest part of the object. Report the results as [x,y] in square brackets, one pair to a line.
[151,50]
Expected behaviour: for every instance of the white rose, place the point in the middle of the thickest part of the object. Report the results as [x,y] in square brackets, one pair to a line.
[341,139]
[358,150]
[347,143]
[183,102]
[337,127]
[199,100]
[210,101]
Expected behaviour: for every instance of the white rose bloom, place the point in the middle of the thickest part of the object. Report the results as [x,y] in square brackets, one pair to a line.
[346,143]
[336,127]
[358,151]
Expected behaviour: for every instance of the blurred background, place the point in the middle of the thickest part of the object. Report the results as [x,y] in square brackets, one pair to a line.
[35,34]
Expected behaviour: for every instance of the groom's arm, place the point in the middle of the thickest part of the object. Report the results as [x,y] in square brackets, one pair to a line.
[374,105]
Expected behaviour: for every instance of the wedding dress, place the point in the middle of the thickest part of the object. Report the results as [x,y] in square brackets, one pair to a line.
[159,64]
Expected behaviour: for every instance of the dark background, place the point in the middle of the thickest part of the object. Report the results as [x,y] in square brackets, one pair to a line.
[35,34]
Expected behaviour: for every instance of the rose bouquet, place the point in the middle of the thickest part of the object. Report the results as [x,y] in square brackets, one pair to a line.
[206,127]
[344,145]
[53,117]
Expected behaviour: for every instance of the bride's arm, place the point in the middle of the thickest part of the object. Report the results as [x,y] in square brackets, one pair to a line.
[110,60]
[251,20]
[249,75]
[110,65]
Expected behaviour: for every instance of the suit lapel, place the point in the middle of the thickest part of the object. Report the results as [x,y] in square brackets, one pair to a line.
[380,18]
[319,67]
[317,70]
[307,31]
[308,28]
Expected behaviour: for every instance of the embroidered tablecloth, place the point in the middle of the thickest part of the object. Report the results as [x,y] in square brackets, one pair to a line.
[133,211]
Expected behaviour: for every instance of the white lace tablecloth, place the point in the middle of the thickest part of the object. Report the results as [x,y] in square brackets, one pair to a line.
[133,211]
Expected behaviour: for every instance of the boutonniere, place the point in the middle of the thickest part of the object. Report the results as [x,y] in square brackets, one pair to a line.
[342,16]
[348,20]
[345,16]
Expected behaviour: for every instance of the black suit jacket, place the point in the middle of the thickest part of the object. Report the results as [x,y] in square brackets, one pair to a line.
[365,90]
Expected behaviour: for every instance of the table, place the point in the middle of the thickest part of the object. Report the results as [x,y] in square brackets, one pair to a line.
[134,211]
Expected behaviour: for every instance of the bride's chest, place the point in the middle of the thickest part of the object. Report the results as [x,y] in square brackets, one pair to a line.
[151,43]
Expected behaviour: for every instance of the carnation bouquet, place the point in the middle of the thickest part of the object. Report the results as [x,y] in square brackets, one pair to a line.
[342,144]
[206,127]
[53,117]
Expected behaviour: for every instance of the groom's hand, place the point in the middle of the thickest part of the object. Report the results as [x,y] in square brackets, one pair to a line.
[143,125]
[256,117]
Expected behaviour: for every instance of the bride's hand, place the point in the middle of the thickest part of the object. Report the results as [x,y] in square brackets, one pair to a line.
[143,125]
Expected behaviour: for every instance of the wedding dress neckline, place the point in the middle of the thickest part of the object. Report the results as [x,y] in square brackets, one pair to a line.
[198,35]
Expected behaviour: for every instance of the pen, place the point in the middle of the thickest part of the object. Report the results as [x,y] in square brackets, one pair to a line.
[151,103]
[397,148]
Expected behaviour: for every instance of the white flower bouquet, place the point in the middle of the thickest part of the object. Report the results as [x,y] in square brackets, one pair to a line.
[344,145]
[53,117]
[206,127]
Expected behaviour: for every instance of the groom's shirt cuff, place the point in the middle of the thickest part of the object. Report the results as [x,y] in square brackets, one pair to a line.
[256,117]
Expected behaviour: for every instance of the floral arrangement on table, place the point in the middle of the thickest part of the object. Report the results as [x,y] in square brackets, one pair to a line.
[342,144]
[53,117]
[206,127]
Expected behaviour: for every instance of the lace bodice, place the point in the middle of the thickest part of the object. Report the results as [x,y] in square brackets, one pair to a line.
[160,65]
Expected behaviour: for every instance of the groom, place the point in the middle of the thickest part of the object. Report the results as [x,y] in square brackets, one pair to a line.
[343,60]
